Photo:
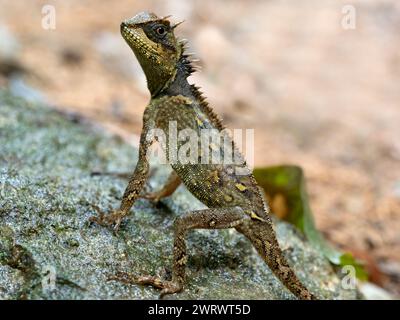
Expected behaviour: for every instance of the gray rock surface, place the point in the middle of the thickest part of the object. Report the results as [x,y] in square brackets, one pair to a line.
[46,189]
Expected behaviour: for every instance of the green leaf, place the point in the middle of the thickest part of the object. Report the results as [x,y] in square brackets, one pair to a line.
[286,191]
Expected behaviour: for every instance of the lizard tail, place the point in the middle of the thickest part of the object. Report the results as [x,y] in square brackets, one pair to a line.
[263,238]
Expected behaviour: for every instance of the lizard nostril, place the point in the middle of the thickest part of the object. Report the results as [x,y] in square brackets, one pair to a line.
[125,25]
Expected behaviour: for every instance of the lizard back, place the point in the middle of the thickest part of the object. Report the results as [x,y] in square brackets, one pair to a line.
[214,184]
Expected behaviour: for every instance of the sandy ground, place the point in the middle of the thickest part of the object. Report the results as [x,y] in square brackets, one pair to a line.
[316,94]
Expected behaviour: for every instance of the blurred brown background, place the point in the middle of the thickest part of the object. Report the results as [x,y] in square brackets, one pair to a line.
[317,95]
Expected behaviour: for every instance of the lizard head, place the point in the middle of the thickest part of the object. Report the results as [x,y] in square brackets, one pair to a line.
[155,46]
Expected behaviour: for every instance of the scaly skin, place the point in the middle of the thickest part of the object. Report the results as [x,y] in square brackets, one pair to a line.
[233,201]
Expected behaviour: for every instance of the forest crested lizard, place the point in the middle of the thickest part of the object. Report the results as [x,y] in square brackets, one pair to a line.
[233,200]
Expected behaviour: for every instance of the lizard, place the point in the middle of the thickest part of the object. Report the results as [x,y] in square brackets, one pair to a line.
[232,200]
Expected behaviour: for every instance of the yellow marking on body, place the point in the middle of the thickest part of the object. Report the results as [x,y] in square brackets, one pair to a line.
[182,261]
[214,176]
[183,99]
[199,122]
[228,198]
[240,187]
[253,215]
[267,245]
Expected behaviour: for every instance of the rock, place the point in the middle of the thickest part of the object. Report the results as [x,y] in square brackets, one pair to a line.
[19,88]
[49,251]
[372,292]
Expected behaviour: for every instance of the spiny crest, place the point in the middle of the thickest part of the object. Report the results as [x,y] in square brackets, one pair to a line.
[215,119]
[189,64]
[186,59]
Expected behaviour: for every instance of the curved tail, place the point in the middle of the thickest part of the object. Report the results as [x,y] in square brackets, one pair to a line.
[263,237]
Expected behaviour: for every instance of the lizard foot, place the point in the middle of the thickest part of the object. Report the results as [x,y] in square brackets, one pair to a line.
[167,287]
[108,219]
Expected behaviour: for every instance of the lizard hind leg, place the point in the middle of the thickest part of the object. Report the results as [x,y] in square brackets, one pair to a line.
[173,182]
[215,218]
[263,237]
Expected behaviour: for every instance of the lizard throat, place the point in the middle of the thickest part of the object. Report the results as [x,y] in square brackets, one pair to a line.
[158,73]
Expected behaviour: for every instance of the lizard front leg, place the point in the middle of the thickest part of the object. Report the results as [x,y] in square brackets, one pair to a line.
[215,218]
[173,182]
[136,182]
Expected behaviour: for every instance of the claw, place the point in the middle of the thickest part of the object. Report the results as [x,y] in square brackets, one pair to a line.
[167,287]
[117,225]
[171,289]
[112,219]
[123,277]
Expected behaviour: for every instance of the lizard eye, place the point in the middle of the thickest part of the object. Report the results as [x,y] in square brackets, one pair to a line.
[160,31]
